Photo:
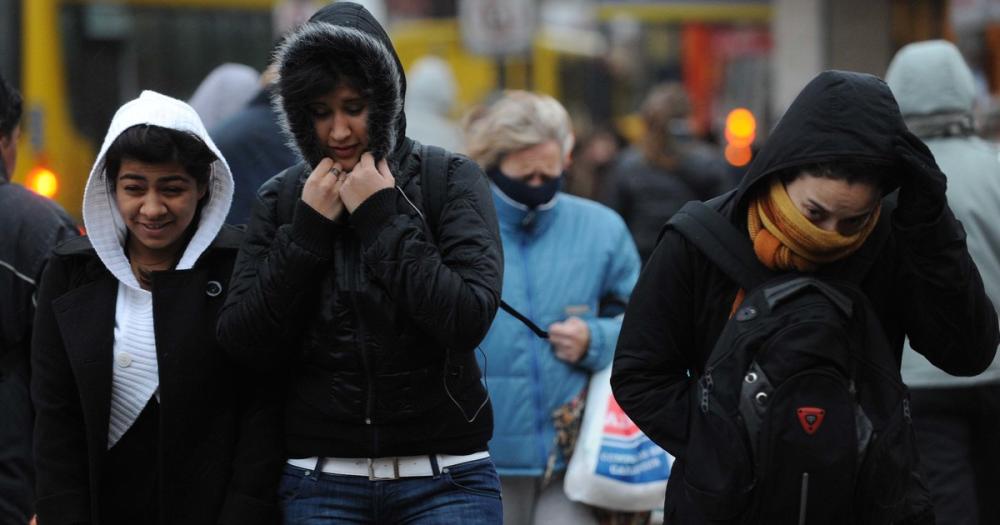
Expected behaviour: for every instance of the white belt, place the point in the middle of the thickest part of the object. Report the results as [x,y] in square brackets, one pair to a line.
[385,468]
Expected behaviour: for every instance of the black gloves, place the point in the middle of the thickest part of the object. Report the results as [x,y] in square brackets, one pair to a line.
[922,184]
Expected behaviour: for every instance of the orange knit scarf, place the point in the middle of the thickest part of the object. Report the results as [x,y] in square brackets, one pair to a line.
[784,239]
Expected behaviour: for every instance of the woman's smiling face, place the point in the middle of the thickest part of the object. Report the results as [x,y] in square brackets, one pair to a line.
[157,203]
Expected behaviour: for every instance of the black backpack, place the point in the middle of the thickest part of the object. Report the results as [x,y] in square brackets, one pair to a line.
[800,415]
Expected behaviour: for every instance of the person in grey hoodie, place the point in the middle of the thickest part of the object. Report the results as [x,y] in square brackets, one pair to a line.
[955,417]
[429,100]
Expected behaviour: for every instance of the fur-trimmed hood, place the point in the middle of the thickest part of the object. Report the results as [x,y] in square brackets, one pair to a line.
[342,37]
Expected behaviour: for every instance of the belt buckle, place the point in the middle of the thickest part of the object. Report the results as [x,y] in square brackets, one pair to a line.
[371,470]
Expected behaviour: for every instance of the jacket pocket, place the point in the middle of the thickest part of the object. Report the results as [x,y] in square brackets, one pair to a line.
[885,473]
[718,476]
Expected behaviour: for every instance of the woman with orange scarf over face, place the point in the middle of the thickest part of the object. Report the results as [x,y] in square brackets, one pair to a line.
[822,183]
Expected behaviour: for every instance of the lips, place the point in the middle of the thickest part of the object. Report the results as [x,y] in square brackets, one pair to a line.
[344,152]
[154,229]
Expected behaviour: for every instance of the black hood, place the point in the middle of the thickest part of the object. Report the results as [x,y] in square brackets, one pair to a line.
[342,37]
[838,116]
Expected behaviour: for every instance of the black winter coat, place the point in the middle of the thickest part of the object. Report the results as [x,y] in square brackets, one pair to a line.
[30,226]
[376,321]
[219,434]
[923,283]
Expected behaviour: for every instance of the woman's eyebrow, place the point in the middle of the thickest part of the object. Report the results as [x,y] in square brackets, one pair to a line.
[817,205]
[171,178]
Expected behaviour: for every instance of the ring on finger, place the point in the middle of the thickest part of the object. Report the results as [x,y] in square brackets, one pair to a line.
[336,172]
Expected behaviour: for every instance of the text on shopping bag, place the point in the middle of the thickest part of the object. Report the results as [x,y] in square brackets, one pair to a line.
[626,453]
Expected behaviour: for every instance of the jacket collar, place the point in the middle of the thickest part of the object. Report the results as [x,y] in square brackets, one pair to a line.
[516,216]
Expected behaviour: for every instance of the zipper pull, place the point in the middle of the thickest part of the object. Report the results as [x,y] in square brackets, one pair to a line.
[706,389]
[907,415]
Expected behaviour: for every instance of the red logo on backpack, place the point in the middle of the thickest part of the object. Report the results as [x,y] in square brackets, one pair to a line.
[811,418]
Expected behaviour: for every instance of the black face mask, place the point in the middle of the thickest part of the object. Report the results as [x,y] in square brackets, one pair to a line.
[530,196]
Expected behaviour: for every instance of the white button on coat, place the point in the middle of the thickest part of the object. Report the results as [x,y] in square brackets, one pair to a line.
[124,359]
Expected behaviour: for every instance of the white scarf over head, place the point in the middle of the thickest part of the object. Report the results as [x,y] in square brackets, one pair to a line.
[135,375]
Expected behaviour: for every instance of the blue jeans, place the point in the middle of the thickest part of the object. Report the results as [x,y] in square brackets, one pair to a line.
[468,493]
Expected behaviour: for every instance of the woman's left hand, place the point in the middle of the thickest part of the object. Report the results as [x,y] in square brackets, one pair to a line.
[365,180]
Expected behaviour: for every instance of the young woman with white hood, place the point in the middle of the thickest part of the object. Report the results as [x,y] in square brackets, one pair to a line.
[140,417]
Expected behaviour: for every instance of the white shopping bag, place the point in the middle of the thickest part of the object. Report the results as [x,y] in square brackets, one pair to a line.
[614,465]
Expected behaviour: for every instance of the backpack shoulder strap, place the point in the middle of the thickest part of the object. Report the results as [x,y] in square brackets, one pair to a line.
[289,193]
[433,191]
[721,242]
[433,184]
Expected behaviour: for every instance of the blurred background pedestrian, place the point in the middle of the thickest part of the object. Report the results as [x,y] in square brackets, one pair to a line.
[225,90]
[254,146]
[569,264]
[667,168]
[30,227]
[430,101]
[955,418]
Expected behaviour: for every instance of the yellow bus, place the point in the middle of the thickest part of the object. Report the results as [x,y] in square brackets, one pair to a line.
[718,48]
[76,61]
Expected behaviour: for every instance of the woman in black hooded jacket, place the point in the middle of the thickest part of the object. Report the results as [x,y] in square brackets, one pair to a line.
[374,314]
[922,282]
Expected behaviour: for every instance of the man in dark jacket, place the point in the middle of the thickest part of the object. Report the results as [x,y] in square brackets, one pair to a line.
[923,282]
[30,226]
[653,179]
[252,143]
[375,313]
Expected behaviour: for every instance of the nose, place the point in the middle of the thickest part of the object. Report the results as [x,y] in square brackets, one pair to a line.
[341,129]
[152,206]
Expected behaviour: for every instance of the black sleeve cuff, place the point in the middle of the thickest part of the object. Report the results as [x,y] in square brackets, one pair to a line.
[372,215]
[312,230]
[930,237]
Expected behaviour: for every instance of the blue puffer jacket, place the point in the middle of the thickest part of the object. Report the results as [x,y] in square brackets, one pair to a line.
[564,259]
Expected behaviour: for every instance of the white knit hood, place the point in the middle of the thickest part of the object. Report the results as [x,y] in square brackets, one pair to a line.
[101,216]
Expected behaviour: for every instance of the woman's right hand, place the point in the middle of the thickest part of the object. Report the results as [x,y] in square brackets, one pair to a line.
[322,189]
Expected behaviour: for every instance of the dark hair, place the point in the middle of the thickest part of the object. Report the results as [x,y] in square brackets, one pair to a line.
[304,82]
[159,145]
[852,172]
[10,108]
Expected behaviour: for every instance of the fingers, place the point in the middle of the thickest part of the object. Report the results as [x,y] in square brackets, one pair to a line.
[322,168]
[383,169]
[366,162]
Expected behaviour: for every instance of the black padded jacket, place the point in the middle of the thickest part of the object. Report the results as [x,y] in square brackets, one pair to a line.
[375,324]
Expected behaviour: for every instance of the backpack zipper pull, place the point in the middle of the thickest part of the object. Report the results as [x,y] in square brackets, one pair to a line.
[906,410]
[706,389]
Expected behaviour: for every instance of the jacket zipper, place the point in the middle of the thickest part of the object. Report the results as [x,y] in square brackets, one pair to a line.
[354,269]
[535,368]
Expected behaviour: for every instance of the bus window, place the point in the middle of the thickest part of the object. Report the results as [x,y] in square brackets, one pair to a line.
[10,41]
[112,52]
